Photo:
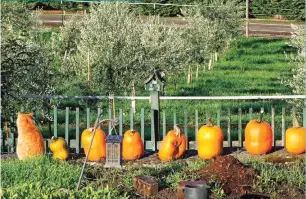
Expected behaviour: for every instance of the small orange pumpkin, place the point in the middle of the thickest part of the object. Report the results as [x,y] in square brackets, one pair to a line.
[98,148]
[59,148]
[132,145]
[173,145]
[210,141]
[295,138]
[258,136]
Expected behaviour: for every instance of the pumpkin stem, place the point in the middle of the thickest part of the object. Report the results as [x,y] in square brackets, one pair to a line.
[261,115]
[177,130]
[294,119]
[53,138]
[133,131]
[209,122]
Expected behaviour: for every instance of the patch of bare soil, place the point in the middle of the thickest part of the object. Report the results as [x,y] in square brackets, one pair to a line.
[235,179]
[166,194]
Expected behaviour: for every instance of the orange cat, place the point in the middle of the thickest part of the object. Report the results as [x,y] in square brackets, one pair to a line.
[30,141]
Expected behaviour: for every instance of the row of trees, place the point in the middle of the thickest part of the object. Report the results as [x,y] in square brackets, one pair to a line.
[108,51]
[288,9]
[102,55]
[298,81]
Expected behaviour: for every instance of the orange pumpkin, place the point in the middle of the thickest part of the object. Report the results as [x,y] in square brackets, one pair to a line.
[295,138]
[173,145]
[59,148]
[98,148]
[210,141]
[258,136]
[132,145]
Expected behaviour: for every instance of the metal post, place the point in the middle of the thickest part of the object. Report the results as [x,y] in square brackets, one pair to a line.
[247,19]
[155,85]
[62,13]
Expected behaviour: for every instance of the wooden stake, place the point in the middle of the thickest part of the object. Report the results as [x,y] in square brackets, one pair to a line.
[247,19]
[133,101]
[209,64]
[189,77]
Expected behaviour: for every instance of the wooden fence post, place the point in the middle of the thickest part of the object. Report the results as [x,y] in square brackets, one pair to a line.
[283,125]
[120,121]
[186,127]
[142,125]
[304,117]
[55,121]
[67,126]
[273,124]
[196,126]
[132,118]
[77,130]
[240,128]
[229,139]
[164,124]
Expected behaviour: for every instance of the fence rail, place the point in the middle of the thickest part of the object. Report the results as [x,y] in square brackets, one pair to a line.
[169,97]
[185,127]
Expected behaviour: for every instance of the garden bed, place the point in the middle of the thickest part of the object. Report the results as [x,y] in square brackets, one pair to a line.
[235,174]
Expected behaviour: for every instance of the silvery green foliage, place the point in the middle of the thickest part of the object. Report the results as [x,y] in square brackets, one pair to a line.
[214,24]
[200,37]
[24,60]
[298,81]
[121,50]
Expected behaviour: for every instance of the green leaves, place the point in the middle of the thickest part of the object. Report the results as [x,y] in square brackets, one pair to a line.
[297,82]
[43,177]
[112,54]
[289,9]
[38,190]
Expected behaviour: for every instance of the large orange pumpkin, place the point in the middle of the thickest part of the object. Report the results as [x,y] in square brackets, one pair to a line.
[295,138]
[173,145]
[258,136]
[210,141]
[98,148]
[132,145]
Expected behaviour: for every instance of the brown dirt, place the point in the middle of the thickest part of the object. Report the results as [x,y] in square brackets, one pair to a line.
[166,194]
[235,179]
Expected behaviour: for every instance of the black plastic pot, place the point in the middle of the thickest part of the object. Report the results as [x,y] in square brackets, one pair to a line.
[199,191]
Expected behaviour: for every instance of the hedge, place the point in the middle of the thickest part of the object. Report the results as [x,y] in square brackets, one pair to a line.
[288,9]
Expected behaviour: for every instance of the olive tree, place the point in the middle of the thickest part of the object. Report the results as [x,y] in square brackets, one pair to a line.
[25,60]
[298,81]
[111,54]
[214,24]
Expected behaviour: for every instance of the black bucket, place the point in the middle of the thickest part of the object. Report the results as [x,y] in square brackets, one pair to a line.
[197,191]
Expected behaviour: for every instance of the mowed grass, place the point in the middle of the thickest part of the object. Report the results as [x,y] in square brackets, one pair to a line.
[251,66]
[43,177]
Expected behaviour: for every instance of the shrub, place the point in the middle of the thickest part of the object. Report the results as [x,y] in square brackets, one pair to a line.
[289,9]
